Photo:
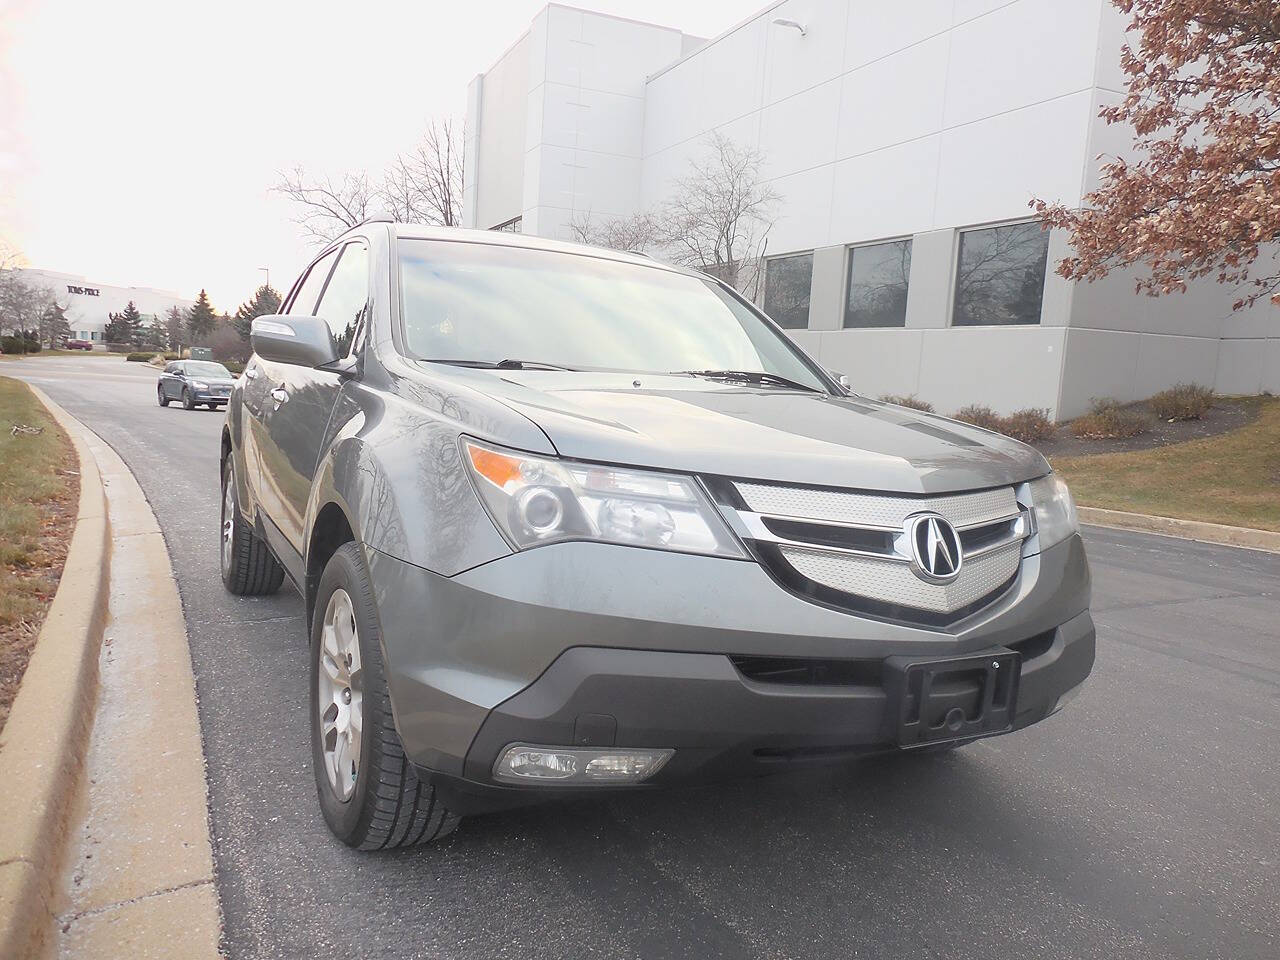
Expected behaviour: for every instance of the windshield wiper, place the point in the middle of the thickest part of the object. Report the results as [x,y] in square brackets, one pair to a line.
[751,376]
[506,364]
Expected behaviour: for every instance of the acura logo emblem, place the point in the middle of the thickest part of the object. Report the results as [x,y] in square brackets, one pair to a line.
[935,547]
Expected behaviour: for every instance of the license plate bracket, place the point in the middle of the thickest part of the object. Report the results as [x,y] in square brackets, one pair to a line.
[954,698]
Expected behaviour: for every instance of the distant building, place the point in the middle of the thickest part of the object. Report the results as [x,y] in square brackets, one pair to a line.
[906,140]
[89,304]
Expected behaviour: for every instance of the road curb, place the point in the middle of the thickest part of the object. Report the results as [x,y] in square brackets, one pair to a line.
[42,750]
[1185,529]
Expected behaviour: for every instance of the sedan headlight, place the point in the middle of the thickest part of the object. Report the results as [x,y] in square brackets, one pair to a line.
[536,500]
[199,384]
[1055,510]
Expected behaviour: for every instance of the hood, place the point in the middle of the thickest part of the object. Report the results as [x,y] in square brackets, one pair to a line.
[692,425]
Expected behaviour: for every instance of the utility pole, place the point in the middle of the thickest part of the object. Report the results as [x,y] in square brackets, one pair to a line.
[267,271]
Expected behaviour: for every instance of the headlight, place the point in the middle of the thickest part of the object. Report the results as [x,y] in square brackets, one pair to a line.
[537,500]
[199,384]
[1055,511]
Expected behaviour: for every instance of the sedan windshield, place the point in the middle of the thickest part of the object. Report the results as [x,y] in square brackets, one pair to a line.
[484,303]
[204,368]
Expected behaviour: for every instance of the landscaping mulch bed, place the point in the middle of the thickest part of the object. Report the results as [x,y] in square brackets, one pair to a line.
[39,499]
[1227,413]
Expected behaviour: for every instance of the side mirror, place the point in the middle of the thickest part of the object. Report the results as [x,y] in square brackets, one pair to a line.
[285,338]
[841,379]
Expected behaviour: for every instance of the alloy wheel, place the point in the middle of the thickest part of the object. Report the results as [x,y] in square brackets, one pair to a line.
[341,701]
[228,521]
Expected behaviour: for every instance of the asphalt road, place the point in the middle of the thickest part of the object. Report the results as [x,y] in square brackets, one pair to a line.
[1143,821]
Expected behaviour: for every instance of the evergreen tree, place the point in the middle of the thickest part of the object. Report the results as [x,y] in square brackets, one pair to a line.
[119,329]
[152,335]
[265,301]
[53,323]
[201,318]
[175,327]
[131,320]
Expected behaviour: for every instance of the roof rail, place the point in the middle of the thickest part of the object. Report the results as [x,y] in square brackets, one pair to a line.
[377,218]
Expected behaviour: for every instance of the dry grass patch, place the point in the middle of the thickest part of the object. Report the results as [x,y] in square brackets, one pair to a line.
[1231,478]
[39,490]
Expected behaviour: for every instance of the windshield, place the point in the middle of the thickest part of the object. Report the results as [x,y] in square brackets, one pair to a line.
[484,303]
[203,368]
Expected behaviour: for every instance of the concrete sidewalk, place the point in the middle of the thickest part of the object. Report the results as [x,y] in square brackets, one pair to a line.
[139,880]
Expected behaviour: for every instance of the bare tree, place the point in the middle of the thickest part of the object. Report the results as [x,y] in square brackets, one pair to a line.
[21,302]
[717,219]
[637,233]
[425,184]
[325,207]
[719,216]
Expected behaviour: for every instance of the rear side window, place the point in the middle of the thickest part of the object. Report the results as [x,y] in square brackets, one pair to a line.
[345,301]
[304,304]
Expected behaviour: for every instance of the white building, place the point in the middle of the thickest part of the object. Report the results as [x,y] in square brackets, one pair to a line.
[906,140]
[89,304]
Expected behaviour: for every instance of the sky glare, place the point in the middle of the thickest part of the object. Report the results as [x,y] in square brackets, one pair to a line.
[139,139]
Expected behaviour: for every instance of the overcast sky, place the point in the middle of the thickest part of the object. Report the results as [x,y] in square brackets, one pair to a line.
[139,138]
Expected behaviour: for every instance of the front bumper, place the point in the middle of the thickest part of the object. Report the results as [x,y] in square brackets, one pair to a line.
[538,646]
[209,396]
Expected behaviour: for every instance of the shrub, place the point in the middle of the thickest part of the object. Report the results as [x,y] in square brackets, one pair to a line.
[15,344]
[911,400]
[139,357]
[1107,420]
[235,366]
[171,355]
[1030,425]
[1186,401]
[979,416]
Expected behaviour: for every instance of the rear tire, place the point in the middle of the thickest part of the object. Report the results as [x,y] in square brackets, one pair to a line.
[187,402]
[248,568]
[160,397]
[369,794]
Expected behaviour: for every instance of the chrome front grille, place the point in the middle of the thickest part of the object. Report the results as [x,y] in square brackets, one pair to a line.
[869,510]
[894,583]
[853,549]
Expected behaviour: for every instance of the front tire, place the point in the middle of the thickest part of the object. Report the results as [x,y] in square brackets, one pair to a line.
[160,397]
[187,402]
[369,794]
[248,568]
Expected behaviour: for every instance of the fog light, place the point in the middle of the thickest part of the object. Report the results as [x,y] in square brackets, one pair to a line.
[521,763]
[538,764]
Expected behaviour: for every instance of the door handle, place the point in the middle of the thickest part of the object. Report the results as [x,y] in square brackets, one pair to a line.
[279,395]
[251,373]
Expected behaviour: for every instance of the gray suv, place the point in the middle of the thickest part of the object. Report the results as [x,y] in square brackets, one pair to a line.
[568,520]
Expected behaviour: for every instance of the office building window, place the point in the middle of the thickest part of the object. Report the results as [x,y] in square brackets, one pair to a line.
[877,290]
[786,290]
[1000,275]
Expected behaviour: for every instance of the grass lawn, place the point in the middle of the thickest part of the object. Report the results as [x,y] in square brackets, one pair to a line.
[39,494]
[58,353]
[1231,478]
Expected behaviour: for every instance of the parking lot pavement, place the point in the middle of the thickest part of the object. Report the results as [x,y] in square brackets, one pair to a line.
[1140,822]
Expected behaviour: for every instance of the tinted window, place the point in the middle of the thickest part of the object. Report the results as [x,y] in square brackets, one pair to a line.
[786,290]
[346,298]
[206,368]
[878,276]
[305,302]
[483,302]
[1000,275]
